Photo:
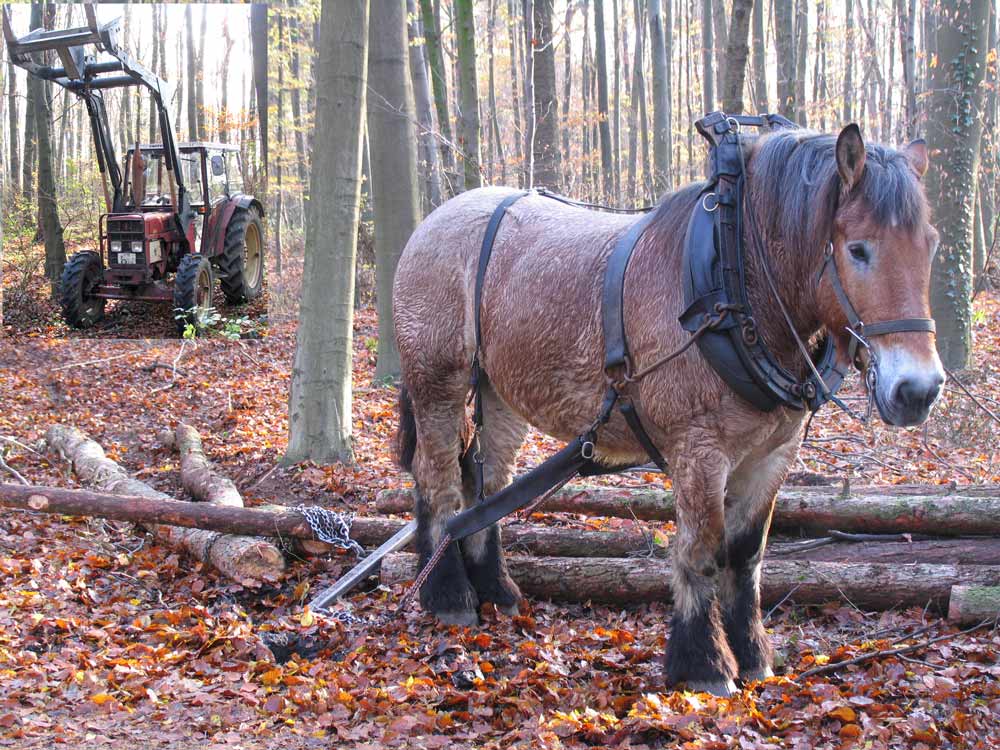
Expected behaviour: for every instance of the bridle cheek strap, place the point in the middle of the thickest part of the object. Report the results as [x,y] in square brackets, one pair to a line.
[863,331]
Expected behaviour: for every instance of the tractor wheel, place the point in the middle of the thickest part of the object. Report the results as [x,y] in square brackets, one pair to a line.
[80,278]
[242,260]
[193,288]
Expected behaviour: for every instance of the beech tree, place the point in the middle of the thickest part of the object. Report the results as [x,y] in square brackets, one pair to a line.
[320,400]
[545,156]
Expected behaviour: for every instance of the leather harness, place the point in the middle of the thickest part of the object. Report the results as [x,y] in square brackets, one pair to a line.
[718,314]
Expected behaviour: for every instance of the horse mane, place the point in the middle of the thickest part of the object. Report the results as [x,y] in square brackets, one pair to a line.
[795,188]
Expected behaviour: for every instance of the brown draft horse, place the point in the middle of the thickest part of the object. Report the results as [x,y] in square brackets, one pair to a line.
[543,353]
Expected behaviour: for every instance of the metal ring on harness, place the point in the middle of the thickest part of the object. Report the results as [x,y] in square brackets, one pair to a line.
[734,124]
[587,450]
[704,202]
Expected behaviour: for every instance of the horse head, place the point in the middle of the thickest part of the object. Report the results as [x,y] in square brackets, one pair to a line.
[879,253]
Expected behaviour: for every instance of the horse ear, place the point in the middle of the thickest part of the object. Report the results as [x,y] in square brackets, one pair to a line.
[916,153]
[850,155]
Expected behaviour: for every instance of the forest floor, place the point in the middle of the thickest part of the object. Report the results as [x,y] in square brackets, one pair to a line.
[108,639]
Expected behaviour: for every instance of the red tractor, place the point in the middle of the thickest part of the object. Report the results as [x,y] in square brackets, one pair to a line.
[174,209]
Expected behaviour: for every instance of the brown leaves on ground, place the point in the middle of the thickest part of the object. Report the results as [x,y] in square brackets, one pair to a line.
[109,640]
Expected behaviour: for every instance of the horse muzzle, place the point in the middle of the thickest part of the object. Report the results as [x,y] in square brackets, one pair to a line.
[906,390]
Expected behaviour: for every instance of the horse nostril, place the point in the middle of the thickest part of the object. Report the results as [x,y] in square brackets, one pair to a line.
[919,393]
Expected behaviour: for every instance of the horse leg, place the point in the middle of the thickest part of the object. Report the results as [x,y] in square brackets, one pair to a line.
[500,441]
[749,504]
[447,592]
[698,653]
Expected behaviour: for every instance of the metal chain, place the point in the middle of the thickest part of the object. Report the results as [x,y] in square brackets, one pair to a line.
[330,527]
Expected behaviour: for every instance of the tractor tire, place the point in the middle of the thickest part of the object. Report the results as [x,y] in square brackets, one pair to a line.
[80,277]
[241,264]
[193,288]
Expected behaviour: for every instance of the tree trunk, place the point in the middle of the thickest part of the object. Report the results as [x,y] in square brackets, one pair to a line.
[428,152]
[258,40]
[248,561]
[192,75]
[849,93]
[737,53]
[468,86]
[784,42]
[568,178]
[530,106]
[616,135]
[638,94]
[156,59]
[439,82]
[200,89]
[661,96]
[393,156]
[545,154]
[899,509]
[759,58]
[969,605]
[51,229]
[607,580]
[801,57]
[707,57]
[14,123]
[954,129]
[320,402]
[277,100]
[604,127]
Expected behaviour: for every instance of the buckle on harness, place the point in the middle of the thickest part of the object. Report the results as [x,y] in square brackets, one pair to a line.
[587,450]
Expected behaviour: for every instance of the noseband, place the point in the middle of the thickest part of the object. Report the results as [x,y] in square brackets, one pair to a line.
[715,280]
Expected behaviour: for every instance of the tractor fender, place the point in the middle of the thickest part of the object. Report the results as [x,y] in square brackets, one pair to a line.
[221,216]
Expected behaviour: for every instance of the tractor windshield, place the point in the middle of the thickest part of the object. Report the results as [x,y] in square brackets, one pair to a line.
[147,182]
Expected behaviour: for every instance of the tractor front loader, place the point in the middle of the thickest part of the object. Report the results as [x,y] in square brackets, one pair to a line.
[174,210]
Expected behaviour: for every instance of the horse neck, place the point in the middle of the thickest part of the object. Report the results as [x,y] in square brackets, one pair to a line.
[794,275]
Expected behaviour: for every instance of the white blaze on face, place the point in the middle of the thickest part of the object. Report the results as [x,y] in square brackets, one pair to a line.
[908,385]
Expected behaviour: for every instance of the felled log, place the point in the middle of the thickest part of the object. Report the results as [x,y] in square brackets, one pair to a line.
[810,510]
[971,604]
[198,475]
[248,561]
[205,482]
[874,586]
[155,508]
[555,541]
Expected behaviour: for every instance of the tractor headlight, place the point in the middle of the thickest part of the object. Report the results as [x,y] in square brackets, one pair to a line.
[116,246]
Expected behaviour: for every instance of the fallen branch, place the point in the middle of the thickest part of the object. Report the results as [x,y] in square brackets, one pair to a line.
[928,510]
[247,563]
[874,586]
[834,666]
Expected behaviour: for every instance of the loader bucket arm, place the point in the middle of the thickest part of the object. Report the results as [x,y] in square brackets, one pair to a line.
[84,76]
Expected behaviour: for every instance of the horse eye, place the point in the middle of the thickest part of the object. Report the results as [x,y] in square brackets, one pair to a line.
[859,251]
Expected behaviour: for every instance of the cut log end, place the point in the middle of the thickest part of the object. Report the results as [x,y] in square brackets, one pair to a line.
[968,605]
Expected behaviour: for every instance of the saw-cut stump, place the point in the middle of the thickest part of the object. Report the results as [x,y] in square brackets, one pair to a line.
[895,509]
[873,586]
[243,559]
[971,604]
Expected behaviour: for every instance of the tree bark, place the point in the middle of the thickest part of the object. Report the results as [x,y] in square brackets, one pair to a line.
[192,75]
[969,605]
[248,561]
[849,93]
[759,58]
[320,401]
[48,212]
[737,52]
[801,57]
[784,42]
[14,123]
[661,96]
[393,156]
[429,164]
[871,586]
[604,127]
[707,57]
[200,89]
[258,40]
[439,82]
[468,86]
[868,510]
[545,156]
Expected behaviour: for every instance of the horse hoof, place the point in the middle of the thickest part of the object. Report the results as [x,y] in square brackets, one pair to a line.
[462,618]
[510,609]
[720,688]
[754,675]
